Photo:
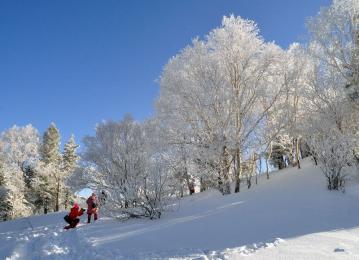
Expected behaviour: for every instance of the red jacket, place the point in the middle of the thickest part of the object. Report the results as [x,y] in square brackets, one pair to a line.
[75,212]
[90,201]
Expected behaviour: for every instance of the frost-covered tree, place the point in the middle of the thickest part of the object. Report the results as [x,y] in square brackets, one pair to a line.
[334,49]
[281,151]
[5,203]
[218,93]
[50,151]
[19,148]
[123,160]
[70,156]
[335,32]
[329,128]
[42,187]
[191,117]
[332,151]
[69,164]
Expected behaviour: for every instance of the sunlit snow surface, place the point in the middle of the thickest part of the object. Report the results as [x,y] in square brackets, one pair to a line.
[290,216]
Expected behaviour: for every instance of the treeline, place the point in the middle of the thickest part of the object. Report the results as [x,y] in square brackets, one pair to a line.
[34,174]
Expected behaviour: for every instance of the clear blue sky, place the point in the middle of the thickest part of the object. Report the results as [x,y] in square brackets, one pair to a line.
[79,62]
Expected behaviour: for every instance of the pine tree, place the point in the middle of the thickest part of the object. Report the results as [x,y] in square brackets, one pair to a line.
[30,192]
[52,158]
[69,160]
[44,193]
[51,145]
[43,186]
[70,157]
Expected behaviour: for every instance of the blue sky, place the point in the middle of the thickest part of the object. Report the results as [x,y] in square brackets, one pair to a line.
[79,62]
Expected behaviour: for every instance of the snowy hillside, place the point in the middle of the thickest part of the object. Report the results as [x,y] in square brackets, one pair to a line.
[291,216]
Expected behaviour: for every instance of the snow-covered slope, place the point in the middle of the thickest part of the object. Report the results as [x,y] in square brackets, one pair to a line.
[290,216]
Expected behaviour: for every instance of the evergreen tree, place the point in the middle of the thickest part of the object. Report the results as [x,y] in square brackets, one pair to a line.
[70,157]
[69,161]
[51,145]
[52,158]
[30,192]
[44,193]
[38,188]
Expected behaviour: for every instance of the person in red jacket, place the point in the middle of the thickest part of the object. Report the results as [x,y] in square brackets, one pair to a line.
[92,206]
[72,217]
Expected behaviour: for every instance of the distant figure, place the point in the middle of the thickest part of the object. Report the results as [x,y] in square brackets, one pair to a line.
[72,217]
[191,188]
[92,206]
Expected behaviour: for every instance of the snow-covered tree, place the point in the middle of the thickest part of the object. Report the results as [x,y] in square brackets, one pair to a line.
[50,151]
[335,31]
[332,95]
[281,151]
[70,156]
[69,164]
[122,160]
[43,186]
[218,94]
[329,129]
[333,151]
[20,145]
[19,148]
[5,203]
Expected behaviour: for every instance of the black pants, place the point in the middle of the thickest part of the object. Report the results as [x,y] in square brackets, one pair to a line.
[73,222]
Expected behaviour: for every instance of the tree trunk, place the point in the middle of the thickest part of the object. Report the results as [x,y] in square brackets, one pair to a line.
[181,190]
[225,169]
[46,204]
[253,169]
[281,165]
[249,183]
[203,186]
[293,150]
[220,183]
[188,182]
[260,168]
[57,203]
[297,153]
[315,160]
[66,199]
[238,171]
[267,159]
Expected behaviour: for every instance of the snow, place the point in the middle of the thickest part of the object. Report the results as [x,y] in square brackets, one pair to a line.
[290,216]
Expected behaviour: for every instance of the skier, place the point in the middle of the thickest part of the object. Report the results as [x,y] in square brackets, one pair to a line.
[92,206]
[72,217]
